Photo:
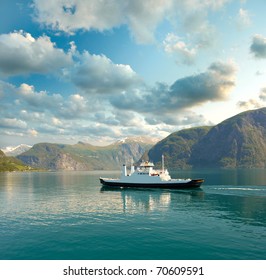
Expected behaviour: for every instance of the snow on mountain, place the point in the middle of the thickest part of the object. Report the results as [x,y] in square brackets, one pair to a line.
[138,139]
[17,150]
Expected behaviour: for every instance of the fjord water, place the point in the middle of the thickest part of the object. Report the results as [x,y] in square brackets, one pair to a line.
[67,215]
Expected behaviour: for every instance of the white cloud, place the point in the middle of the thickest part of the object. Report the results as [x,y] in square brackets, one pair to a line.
[214,84]
[182,118]
[98,74]
[56,121]
[32,132]
[74,107]
[174,45]
[41,101]
[12,123]
[36,106]
[142,17]
[12,133]
[134,108]
[20,53]
[69,16]
[80,117]
[254,103]
[250,104]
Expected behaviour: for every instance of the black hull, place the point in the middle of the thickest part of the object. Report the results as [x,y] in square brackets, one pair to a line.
[196,183]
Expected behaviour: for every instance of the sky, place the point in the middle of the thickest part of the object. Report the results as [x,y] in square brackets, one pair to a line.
[98,71]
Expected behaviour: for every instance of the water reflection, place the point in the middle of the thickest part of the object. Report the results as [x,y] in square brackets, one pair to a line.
[148,200]
[50,196]
[57,215]
[237,206]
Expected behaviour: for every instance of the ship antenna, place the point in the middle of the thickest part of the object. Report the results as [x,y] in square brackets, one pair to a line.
[162,162]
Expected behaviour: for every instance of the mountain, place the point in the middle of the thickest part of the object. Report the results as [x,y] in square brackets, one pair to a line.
[17,150]
[239,141]
[11,163]
[177,147]
[138,139]
[84,156]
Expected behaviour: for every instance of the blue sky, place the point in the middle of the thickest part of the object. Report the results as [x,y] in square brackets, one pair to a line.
[98,71]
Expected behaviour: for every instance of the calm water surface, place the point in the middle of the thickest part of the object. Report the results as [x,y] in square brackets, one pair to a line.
[66,215]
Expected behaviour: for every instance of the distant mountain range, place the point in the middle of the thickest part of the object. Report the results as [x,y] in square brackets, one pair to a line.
[238,142]
[17,150]
[84,156]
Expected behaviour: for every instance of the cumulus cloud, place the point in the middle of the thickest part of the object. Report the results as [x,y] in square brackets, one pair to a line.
[20,53]
[98,74]
[69,16]
[40,106]
[258,46]
[182,118]
[75,115]
[12,123]
[142,17]
[174,45]
[213,85]
[74,107]
[39,100]
[40,103]
[41,113]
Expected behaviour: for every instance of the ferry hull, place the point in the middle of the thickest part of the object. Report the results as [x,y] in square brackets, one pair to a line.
[195,183]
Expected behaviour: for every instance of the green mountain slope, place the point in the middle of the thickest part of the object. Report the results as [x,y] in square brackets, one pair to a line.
[11,164]
[83,156]
[177,147]
[239,141]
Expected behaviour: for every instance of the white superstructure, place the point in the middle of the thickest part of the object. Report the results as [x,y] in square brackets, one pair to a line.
[145,174]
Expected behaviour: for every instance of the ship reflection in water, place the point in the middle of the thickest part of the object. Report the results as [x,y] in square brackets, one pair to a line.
[148,200]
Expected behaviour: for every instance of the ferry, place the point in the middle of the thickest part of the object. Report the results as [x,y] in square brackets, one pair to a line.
[145,176]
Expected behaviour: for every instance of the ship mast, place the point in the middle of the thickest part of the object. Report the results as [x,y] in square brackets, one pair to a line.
[132,166]
[163,163]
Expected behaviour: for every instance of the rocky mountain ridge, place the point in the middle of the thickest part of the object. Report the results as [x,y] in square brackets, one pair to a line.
[84,156]
[237,142]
